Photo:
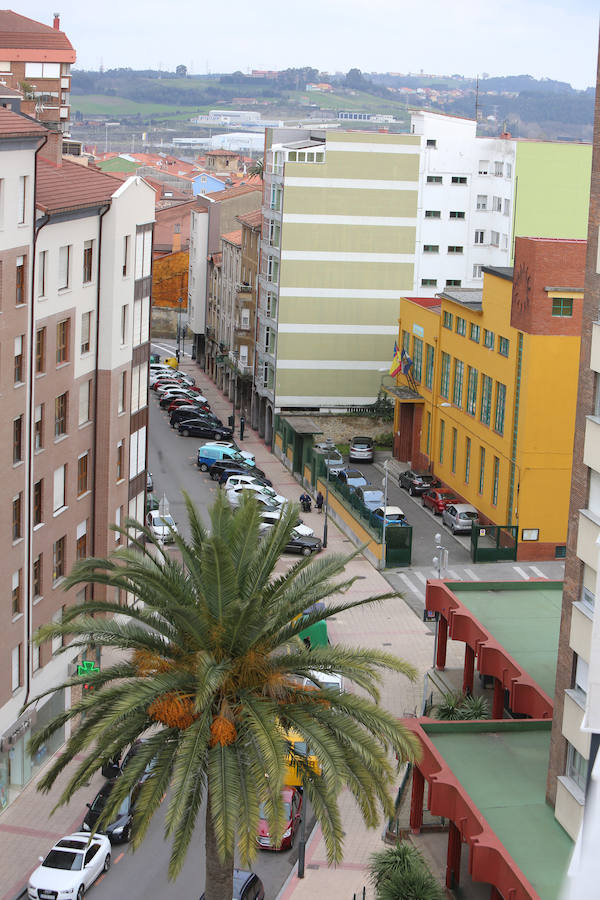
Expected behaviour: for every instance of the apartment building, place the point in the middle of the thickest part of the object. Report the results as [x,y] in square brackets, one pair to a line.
[40,57]
[75,327]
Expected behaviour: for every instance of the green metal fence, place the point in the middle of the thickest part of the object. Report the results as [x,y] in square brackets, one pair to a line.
[490,543]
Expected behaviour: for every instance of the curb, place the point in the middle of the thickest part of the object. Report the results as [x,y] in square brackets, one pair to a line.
[294,870]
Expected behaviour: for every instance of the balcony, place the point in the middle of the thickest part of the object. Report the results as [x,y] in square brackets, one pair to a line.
[587,533]
[595,354]
[591,448]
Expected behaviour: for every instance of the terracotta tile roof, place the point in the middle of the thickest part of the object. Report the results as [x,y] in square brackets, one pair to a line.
[251,219]
[236,191]
[9,92]
[21,35]
[233,237]
[70,186]
[14,124]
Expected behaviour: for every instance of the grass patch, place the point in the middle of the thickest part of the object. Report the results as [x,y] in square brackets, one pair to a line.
[101,105]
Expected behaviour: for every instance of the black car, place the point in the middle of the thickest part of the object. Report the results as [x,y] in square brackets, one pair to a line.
[165,401]
[304,545]
[200,427]
[246,886]
[227,467]
[417,482]
[120,828]
[188,412]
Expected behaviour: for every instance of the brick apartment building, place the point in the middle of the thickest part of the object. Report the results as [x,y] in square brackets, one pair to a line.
[75,261]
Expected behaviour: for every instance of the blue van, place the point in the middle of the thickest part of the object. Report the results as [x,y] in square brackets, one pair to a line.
[210,453]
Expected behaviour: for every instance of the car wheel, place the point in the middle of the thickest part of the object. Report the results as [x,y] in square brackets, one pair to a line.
[186,432]
[411,491]
[106,866]
[80,892]
[307,551]
[203,467]
[217,435]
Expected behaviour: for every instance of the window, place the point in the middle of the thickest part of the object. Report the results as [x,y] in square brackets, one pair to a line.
[41,272]
[477,271]
[479,236]
[38,502]
[428,282]
[62,341]
[406,342]
[499,168]
[484,167]
[86,321]
[509,170]
[137,452]
[22,199]
[85,402]
[445,376]
[489,339]
[17,517]
[503,346]
[64,267]
[486,400]
[472,376]
[461,326]
[18,366]
[123,392]
[143,251]
[428,438]
[118,523]
[500,407]
[459,368]
[417,358]
[581,678]
[431,248]
[475,333]
[431,142]
[38,427]
[81,545]
[506,207]
[442,437]
[453,248]
[577,767]
[15,667]
[434,179]
[447,320]
[119,460]
[126,245]
[60,415]
[495,239]
[40,350]
[497,204]
[124,310]
[37,576]
[20,282]
[495,480]
[60,477]
[58,559]
[82,474]
[88,255]
[18,440]
[433,214]
[453,282]
[454,443]
[482,201]
[456,214]
[429,363]
[467,460]
[562,307]
[481,469]
[459,179]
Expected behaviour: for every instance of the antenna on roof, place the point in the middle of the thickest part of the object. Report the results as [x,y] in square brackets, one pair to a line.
[477,98]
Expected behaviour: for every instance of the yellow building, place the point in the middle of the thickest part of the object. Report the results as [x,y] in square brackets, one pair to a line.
[489,402]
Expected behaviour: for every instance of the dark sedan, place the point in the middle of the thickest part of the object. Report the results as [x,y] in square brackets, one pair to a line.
[417,482]
[192,412]
[304,545]
[438,499]
[120,827]
[198,427]
[222,469]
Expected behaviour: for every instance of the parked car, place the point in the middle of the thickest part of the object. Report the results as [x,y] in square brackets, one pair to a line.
[329,681]
[167,397]
[267,503]
[71,867]
[460,517]
[271,517]
[352,477]
[189,402]
[437,499]
[243,479]
[292,804]
[200,427]
[208,454]
[149,481]
[151,502]
[259,490]
[362,449]
[370,498]
[161,527]
[417,482]
[220,471]
[193,411]
[246,886]
[393,515]
[119,829]
[299,543]
[234,446]
[164,380]
[332,458]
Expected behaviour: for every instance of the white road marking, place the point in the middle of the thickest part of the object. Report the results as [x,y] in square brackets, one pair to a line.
[421,577]
[409,583]
[452,574]
[538,572]
[520,572]
[472,575]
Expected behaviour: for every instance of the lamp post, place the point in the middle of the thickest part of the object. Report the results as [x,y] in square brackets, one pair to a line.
[180,301]
[329,445]
[385,503]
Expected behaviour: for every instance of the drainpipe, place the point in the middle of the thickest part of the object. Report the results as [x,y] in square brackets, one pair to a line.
[28,567]
[101,213]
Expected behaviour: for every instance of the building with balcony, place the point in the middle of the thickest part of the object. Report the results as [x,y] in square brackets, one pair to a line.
[75,338]
[36,59]
[488,399]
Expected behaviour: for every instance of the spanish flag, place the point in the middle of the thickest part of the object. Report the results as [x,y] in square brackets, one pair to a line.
[396,365]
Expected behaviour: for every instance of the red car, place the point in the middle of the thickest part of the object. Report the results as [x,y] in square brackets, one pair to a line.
[437,499]
[179,402]
[292,803]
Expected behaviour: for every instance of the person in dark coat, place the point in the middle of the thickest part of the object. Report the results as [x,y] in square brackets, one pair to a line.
[319,501]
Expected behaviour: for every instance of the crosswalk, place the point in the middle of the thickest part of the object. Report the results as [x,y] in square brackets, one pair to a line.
[415,580]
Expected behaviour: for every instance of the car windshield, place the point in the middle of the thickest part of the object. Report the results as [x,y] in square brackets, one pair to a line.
[165,520]
[468,515]
[372,496]
[238,457]
[287,811]
[64,859]
[361,443]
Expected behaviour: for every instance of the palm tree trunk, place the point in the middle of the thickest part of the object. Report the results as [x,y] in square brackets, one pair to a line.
[219,875]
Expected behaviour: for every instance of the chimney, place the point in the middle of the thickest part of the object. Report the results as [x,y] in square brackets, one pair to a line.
[52,149]
[56,23]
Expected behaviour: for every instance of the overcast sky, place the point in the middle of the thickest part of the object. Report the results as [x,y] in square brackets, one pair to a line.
[554,39]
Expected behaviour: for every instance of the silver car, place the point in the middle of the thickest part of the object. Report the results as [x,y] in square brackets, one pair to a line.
[361,450]
[460,517]
[371,498]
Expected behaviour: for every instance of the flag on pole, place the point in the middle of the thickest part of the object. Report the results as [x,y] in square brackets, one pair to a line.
[405,362]
[396,365]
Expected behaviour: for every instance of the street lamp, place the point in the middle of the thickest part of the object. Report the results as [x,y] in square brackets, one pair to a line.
[385,500]
[180,301]
[329,445]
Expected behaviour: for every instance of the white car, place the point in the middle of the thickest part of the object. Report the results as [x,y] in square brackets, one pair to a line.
[235,480]
[70,868]
[271,517]
[266,503]
[260,490]
[245,453]
[162,527]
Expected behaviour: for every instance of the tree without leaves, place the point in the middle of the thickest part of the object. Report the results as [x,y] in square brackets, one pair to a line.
[212,677]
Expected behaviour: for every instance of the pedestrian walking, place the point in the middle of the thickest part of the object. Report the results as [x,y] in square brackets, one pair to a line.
[242,426]
[319,502]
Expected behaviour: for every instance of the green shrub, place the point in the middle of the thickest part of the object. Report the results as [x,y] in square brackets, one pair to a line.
[385,439]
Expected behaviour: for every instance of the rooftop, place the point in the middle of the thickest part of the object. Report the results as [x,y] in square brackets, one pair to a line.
[501,271]
[252,219]
[471,298]
[233,237]
[20,36]
[236,191]
[15,125]
[71,186]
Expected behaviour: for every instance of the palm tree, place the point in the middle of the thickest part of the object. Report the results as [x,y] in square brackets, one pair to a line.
[462,706]
[401,873]
[258,168]
[213,675]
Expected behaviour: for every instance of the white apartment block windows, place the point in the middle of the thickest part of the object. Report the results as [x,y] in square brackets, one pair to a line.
[497,204]
[480,237]
[484,167]
[244,354]
[139,387]
[504,242]
[143,251]
[271,305]
[482,201]
[499,169]
[64,267]
[141,321]
[126,250]
[22,200]
[506,207]
[42,273]
[434,179]
[509,170]
[122,402]
[124,317]
[272,269]
[477,271]
[495,239]
[86,327]
[137,452]
[245,321]
[42,70]
[15,668]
